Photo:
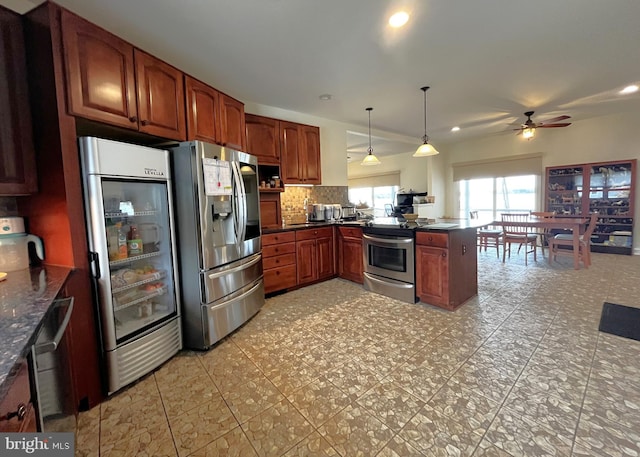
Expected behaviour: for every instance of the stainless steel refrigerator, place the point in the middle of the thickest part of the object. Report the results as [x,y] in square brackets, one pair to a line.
[219,244]
[128,200]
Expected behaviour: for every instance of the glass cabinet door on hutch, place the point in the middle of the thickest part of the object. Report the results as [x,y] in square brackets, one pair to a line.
[611,195]
[606,188]
[564,190]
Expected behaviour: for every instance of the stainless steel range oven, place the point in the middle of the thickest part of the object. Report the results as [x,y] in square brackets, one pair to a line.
[389,262]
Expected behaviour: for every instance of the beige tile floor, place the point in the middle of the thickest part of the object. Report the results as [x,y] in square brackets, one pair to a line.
[333,370]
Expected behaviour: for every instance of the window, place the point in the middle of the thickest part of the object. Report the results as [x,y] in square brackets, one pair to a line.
[374,197]
[492,196]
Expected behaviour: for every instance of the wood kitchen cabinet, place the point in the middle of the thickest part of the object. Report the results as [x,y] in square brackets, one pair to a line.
[270,212]
[232,129]
[108,80]
[263,138]
[300,153]
[315,254]
[279,261]
[350,263]
[446,267]
[17,158]
[17,413]
[202,111]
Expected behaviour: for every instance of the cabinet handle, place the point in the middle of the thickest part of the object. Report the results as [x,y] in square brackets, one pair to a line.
[278,261]
[19,413]
[144,122]
[464,249]
[133,119]
[277,273]
[277,250]
[444,254]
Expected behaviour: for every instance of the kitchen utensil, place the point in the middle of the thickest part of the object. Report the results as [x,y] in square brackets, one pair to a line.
[318,212]
[337,211]
[14,245]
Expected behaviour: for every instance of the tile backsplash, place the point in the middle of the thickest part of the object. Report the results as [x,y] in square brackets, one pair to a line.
[292,199]
[8,206]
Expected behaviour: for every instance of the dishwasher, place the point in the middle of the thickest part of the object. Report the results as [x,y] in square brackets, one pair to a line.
[51,371]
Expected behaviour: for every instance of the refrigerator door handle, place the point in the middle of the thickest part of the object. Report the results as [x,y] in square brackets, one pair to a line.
[244,266]
[240,206]
[94,261]
[243,195]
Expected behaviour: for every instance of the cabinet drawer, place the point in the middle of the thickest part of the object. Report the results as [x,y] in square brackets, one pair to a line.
[277,249]
[350,232]
[277,238]
[279,260]
[279,278]
[313,234]
[440,240]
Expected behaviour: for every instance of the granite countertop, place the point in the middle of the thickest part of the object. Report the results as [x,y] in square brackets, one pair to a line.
[439,225]
[309,225]
[25,297]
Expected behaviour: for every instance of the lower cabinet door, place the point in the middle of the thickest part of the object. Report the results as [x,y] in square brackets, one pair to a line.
[326,263]
[279,278]
[432,275]
[351,263]
[307,261]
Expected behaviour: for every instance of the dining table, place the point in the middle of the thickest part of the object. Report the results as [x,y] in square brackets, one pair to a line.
[575,224]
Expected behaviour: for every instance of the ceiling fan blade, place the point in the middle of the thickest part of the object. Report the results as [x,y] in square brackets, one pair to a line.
[519,132]
[546,126]
[556,119]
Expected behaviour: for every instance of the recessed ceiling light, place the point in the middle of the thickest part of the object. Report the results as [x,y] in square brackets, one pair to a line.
[325,97]
[399,19]
[455,129]
[629,89]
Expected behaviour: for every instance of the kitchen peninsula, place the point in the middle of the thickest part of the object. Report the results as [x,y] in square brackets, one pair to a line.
[445,257]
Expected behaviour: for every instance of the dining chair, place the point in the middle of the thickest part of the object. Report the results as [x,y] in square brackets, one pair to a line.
[520,234]
[566,241]
[543,233]
[488,236]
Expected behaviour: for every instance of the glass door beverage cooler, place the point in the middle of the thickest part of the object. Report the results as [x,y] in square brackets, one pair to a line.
[132,248]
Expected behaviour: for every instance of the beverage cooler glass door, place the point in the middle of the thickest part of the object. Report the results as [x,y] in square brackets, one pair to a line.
[138,291]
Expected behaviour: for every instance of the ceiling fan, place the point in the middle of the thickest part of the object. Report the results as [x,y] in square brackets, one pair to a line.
[528,129]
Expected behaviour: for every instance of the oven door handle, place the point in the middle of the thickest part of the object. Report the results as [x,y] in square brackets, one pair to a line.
[391,242]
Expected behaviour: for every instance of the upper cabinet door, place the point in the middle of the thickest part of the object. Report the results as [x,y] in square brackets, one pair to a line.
[310,154]
[160,97]
[232,130]
[17,157]
[290,167]
[100,73]
[263,138]
[202,109]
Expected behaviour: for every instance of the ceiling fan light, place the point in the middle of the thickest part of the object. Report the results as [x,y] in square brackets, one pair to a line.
[425,150]
[528,133]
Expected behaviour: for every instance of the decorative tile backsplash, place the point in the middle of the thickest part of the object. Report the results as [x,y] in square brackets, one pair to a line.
[292,199]
[8,206]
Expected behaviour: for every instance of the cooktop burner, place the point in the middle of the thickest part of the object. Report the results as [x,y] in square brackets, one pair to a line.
[390,226]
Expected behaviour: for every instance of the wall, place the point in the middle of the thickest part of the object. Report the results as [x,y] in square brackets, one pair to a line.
[594,140]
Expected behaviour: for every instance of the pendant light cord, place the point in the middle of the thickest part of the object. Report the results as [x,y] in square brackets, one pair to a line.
[370,150]
[425,138]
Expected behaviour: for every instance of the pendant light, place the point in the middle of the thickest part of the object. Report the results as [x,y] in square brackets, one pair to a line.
[425,149]
[370,159]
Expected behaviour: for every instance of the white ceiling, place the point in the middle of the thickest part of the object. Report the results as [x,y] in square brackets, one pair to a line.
[487,61]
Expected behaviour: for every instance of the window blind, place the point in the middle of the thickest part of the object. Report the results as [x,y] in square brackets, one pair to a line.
[378,180]
[524,164]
